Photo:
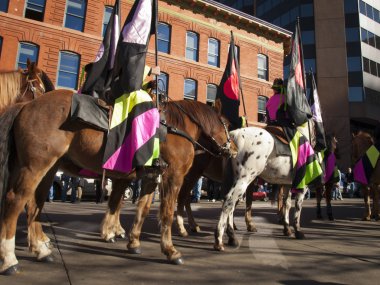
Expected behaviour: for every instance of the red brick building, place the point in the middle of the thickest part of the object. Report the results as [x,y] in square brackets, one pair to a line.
[64,35]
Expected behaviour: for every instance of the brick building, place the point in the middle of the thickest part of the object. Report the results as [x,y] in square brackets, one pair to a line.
[64,35]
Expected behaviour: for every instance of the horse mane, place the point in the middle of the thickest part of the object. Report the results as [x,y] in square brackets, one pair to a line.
[49,86]
[10,83]
[201,114]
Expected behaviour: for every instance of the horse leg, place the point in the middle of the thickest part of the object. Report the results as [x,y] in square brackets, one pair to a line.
[319,194]
[287,204]
[39,242]
[230,231]
[297,215]
[22,186]
[328,194]
[375,202]
[228,207]
[280,203]
[183,201]
[110,227]
[367,202]
[251,227]
[148,187]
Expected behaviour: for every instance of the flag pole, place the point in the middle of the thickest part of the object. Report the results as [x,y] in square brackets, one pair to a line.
[156,48]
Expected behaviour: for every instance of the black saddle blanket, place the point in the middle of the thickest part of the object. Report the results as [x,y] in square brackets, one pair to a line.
[86,109]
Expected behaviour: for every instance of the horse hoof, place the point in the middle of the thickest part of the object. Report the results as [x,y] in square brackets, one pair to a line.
[251,229]
[10,271]
[122,236]
[233,242]
[177,261]
[300,235]
[111,240]
[47,259]
[218,247]
[197,229]
[134,250]
[287,232]
[366,219]
[184,234]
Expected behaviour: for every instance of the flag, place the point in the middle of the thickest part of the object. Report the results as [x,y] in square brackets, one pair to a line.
[317,117]
[229,88]
[132,47]
[133,140]
[297,104]
[99,72]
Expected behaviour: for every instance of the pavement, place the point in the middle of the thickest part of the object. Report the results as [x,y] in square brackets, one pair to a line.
[346,251]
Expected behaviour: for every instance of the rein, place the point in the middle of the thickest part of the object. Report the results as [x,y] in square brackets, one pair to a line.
[221,148]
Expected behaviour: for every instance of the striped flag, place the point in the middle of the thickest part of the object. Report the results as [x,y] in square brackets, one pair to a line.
[133,136]
[99,73]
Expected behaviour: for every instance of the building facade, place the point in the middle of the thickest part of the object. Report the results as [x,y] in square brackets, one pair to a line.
[341,43]
[62,36]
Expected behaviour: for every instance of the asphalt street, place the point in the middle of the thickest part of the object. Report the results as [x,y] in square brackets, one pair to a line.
[346,251]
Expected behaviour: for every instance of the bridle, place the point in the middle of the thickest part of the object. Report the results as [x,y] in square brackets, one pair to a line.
[221,149]
[30,85]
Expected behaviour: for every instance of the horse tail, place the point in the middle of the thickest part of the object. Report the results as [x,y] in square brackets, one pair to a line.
[6,138]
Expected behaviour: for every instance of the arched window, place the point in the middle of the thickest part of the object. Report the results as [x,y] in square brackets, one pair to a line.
[190,90]
[261,109]
[163,37]
[262,66]
[68,70]
[75,14]
[25,51]
[213,52]
[35,9]
[192,40]
[211,93]
[106,18]
[4,5]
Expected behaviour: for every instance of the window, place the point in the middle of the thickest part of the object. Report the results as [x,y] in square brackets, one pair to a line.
[370,11]
[107,15]
[25,51]
[355,94]
[261,105]
[262,66]
[163,37]
[35,10]
[211,93]
[371,39]
[307,10]
[163,83]
[376,15]
[364,35]
[366,65]
[192,46]
[4,5]
[354,64]
[190,89]
[213,52]
[75,12]
[352,35]
[373,67]
[350,6]
[68,70]
[308,37]
[362,7]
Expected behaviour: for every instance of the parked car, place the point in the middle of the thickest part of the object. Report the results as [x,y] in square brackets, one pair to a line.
[260,195]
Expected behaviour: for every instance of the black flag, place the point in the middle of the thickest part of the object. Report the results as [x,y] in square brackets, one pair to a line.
[229,88]
[298,106]
[99,72]
[317,117]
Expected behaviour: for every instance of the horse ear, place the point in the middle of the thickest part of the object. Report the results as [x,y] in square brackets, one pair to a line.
[218,106]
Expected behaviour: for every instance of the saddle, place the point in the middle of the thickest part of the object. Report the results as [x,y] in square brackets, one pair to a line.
[281,144]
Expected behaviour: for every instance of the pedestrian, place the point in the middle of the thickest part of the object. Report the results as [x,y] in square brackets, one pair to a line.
[51,193]
[99,197]
[65,180]
[197,191]
[76,189]
[136,188]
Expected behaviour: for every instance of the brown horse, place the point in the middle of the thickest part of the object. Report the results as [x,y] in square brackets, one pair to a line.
[360,144]
[43,141]
[23,85]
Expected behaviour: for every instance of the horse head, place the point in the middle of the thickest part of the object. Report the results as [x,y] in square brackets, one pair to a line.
[360,144]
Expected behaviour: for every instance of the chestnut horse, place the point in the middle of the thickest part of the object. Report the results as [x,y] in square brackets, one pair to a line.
[360,144]
[23,85]
[36,141]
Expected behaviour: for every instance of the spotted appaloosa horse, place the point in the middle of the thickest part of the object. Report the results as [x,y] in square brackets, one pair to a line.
[257,157]
[360,144]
